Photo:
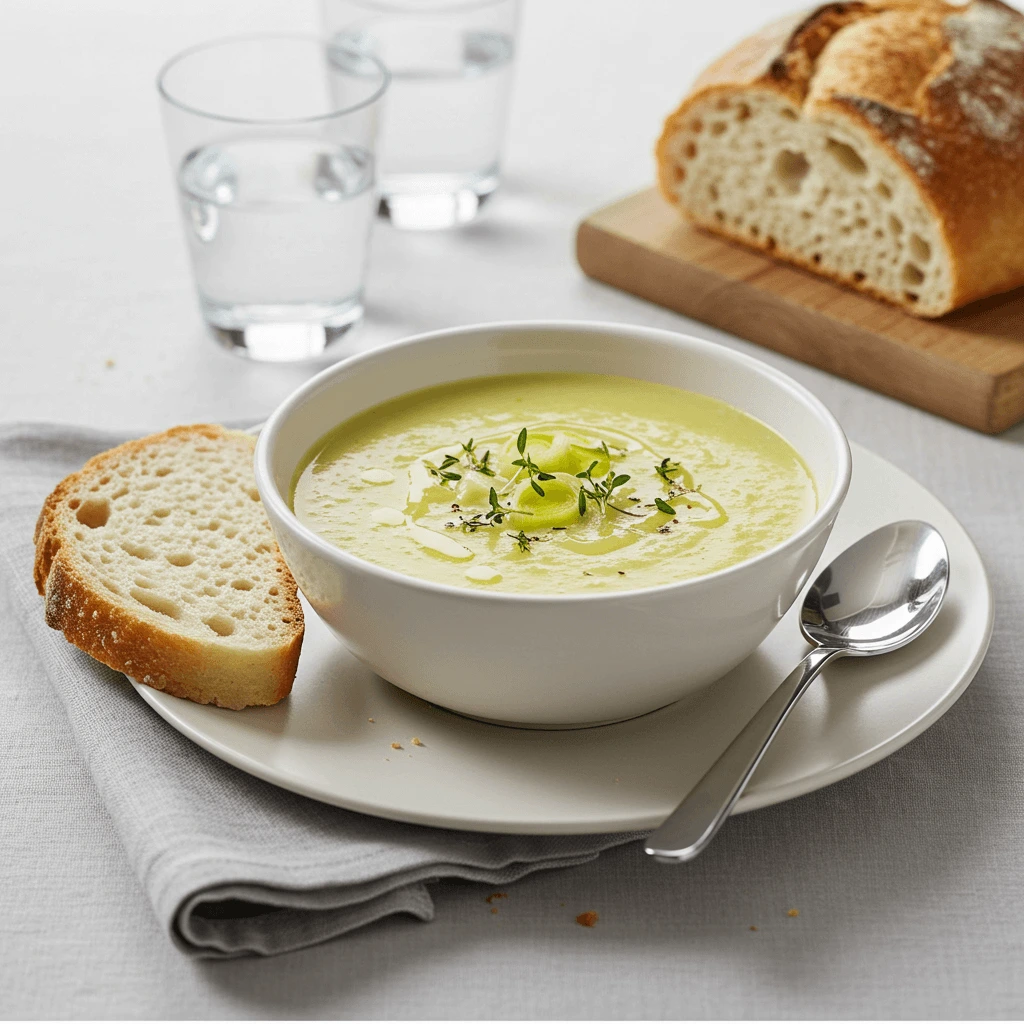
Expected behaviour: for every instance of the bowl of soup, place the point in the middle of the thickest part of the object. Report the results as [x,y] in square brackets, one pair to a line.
[552,524]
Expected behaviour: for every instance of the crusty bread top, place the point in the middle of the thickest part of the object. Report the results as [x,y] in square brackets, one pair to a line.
[157,559]
[941,85]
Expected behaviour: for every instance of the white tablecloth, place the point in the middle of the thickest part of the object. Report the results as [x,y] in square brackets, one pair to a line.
[909,877]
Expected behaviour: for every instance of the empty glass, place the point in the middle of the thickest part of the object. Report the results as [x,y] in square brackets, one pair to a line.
[444,117]
[272,146]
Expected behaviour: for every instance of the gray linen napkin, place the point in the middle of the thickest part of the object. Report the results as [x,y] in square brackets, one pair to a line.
[233,866]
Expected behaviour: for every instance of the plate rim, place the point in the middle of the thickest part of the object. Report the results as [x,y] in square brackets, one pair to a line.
[163,704]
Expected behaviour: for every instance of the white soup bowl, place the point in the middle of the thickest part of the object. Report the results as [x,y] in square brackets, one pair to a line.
[589,658]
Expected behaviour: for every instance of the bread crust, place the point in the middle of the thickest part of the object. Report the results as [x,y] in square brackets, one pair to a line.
[938,87]
[130,643]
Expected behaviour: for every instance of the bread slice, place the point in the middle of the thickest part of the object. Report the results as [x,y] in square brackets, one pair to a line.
[157,559]
[878,143]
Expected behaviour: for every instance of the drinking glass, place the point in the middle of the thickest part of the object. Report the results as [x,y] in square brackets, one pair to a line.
[444,117]
[272,148]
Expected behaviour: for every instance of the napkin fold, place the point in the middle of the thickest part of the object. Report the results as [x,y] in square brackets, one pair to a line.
[233,866]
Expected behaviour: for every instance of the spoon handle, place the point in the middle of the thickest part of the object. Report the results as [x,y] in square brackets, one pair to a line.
[692,825]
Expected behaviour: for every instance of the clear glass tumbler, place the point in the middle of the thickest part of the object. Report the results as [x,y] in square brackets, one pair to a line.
[272,144]
[444,117]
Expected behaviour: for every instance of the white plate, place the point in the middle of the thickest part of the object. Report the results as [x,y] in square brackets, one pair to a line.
[331,740]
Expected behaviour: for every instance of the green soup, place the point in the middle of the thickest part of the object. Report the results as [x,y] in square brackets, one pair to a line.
[553,483]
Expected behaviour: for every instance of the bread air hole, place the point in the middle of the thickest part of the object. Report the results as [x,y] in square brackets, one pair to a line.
[221,624]
[742,112]
[883,190]
[181,559]
[791,168]
[690,150]
[156,602]
[912,274]
[847,157]
[242,584]
[93,512]
[895,224]
[137,550]
[920,249]
[718,128]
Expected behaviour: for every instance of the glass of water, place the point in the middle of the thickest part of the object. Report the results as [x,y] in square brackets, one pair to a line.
[272,143]
[444,117]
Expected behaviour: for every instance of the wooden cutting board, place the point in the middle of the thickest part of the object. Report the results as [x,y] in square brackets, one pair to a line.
[967,366]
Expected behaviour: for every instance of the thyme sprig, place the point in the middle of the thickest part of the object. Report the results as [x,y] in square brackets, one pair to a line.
[443,473]
[600,491]
[531,467]
[523,541]
[494,516]
[466,459]
[481,463]
[667,469]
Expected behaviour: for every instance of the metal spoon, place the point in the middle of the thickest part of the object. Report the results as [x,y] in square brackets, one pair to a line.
[878,595]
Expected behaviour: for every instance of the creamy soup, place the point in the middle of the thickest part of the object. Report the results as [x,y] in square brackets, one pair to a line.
[553,483]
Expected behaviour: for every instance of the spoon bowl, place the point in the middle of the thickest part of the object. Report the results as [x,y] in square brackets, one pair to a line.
[880,593]
[877,596]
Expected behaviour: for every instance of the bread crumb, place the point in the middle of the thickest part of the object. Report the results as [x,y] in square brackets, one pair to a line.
[396,746]
[494,910]
[588,919]
[417,742]
[792,912]
[496,896]
[753,927]
[370,719]
[110,364]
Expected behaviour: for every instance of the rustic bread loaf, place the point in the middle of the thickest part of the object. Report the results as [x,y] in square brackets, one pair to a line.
[878,143]
[157,559]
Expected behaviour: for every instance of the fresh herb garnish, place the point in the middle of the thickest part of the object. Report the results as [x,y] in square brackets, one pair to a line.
[525,462]
[466,459]
[523,541]
[666,469]
[664,506]
[480,463]
[600,491]
[494,516]
[443,472]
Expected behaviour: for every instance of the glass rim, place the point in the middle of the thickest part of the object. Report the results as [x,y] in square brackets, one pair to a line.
[385,79]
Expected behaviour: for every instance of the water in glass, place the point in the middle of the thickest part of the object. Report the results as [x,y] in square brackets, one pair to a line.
[277,227]
[441,133]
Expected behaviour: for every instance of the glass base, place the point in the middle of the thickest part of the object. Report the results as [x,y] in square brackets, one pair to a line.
[281,333]
[434,202]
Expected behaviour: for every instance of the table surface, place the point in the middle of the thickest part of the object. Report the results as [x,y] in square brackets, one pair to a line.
[908,877]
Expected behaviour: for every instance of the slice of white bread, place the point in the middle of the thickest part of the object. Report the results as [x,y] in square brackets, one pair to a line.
[157,559]
[876,142]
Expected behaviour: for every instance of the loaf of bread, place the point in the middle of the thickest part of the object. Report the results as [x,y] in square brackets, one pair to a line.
[157,559]
[879,143]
